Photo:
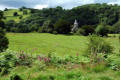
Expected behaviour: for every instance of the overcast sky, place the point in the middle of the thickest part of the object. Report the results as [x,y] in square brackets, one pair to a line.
[39,4]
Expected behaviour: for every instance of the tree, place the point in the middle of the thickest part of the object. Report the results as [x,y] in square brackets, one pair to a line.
[3,40]
[15,14]
[102,30]
[116,27]
[62,26]
[47,26]
[6,9]
[20,9]
[89,29]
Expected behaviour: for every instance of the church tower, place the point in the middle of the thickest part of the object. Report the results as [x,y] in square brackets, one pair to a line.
[75,28]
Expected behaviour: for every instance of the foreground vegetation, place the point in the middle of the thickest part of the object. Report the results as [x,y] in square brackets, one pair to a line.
[38,60]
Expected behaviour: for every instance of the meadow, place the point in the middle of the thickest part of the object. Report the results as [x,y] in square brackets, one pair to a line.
[57,44]
[62,48]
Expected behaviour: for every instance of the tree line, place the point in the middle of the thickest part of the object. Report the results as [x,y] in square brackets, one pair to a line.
[92,18]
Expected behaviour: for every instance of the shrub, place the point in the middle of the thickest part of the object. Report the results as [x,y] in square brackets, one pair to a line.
[98,45]
[3,41]
[15,77]
[80,32]
[15,14]
[20,17]
[62,26]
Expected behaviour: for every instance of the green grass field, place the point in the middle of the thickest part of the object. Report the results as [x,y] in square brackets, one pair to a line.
[9,15]
[60,44]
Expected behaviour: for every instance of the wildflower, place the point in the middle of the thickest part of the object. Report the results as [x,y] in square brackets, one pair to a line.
[77,54]
[45,59]
[39,58]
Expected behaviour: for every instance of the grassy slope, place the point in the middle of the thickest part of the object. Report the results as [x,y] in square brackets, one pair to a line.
[9,14]
[59,44]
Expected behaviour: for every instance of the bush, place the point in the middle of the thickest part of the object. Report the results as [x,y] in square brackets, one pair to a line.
[20,17]
[15,77]
[98,45]
[3,41]
[102,30]
[62,26]
[15,14]
[80,32]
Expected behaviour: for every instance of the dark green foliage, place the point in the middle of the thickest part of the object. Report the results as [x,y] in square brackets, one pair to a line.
[4,71]
[9,25]
[62,26]
[1,15]
[6,9]
[102,30]
[88,29]
[20,17]
[3,41]
[51,77]
[15,14]
[2,25]
[15,77]
[20,9]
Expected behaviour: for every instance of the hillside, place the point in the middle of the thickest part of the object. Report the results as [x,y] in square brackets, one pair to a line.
[9,14]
